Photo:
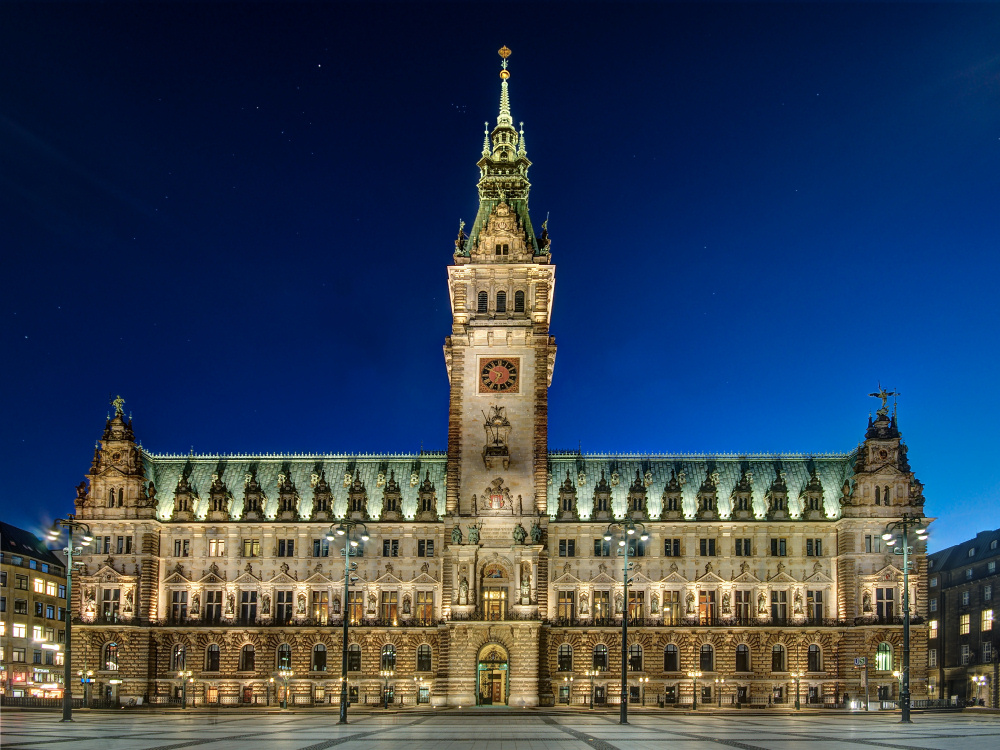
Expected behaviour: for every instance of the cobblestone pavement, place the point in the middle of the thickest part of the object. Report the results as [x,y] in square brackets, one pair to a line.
[495,729]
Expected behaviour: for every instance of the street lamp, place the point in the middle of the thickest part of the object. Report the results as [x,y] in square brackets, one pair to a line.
[386,674]
[418,683]
[694,675]
[69,523]
[625,530]
[719,681]
[184,677]
[268,684]
[285,674]
[86,677]
[642,691]
[797,676]
[592,673]
[897,535]
[347,529]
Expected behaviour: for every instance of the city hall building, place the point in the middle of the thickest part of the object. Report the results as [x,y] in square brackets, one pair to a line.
[486,578]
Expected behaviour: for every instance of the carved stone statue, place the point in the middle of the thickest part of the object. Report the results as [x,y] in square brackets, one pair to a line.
[654,604]
[726,603]
[797,607]
[456,534]
[689,601]
[335,605]
[619,603]
[406,604]
[761,604]
[474,534]
[300,604]
[90,601]
[536,532]
[744,567]
[230,604]
[129,602]
[372,602]
[463,591]
[265,605]
[519,534]
[584,604]
[196,604]
[866,602]
[525,589]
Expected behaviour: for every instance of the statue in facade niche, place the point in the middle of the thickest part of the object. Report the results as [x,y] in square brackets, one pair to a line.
[265,605]
[230,604]
[761,604]
[584,604]
[474,534]
[301,604]
[195,604]
[406,604]
[866,602]
[689,600]
[619,603]
[463,591]
[654,604]
[372,603]
[456,534]
[335,605]
[726,603]
[797,607]
[519,534]
[536,532]
[129,602]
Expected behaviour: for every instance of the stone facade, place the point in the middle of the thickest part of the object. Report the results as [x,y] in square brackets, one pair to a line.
[486,578]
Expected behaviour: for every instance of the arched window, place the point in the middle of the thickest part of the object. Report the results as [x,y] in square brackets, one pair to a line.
[212,658]
[423,658]
[248,658]
[743,658]
[111,657]
[706,661]
[635,658]
[778,658]
[883,657]
[815,658]
[878,496]
[354,658]
[601,657]
[886,496]
[565,658]
[388,656]
[284,656]
[483,302]
[111,498]
[177,658]
[671,659]
[501,302]
[518,302]
[319,658]
[121,496]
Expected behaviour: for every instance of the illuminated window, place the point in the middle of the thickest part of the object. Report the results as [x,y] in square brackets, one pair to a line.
[39,585]
[111,657]
[50,588]
[565,658]
[388,660]
[284,656]
[216,547]
[18,629]
[883,657]
[933,625]
[932,657]
[964,624]
[635,658]
[987,619]
[424,658]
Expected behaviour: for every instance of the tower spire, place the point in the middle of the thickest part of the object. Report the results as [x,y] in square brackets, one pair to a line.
[504,119]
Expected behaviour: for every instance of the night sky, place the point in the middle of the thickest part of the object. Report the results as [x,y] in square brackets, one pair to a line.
[239,218]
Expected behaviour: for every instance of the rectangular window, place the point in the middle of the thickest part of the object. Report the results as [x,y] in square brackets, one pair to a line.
[248,606]
[707,547]
[566,605]
[3,578]
[602,548]
[425,548]
[965,653]
[964,623]
[283,606]
[779,606]
[636,548]
[213,606]
[885,600]
[37,633]
[120,545]
[965,598]
[321,547]
[355,606]
[39,608]
[39,586]
[873,543]
[744,606]
[968,574]
[932,657]
[110,603]
[251,548]
[933,626]
[216,547]
[933,581]
[62,591]
[18,630]
[320,606]
[602,605]
[743,548]
[779,547]
[390,548]
[932,605]
[20,606]
[987,620]
[815,610]
[425,606]
[20,582]
[182,547]
[672,547]
[988,592]
[179,606]
[50,588]
[706,607]
[991,566]
[390,606]
[671,607]
[286,548]
[107,544]
[3,603]
[567,548]
[18,654]
[987,652]
[814,547]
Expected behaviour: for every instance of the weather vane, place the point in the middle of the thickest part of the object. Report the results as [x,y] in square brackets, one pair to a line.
[883,394]
[504,53]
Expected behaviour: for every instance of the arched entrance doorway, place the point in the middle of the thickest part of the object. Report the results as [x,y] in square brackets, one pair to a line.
[492,676]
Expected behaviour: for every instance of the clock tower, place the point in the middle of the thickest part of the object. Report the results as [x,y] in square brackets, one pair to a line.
[499,354]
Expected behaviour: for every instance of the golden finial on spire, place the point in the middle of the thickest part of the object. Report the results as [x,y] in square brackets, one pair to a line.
[504,54]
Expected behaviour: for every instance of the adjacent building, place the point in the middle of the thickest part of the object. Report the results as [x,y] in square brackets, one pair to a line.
[32,616]
[486,578]
[962,639]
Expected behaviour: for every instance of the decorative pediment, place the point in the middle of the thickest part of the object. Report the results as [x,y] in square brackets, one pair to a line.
[675,577]
[710,577]
[567,579]
[388,577]
[818,576]
[888,572]
[247,578]
[746,577]
[175,577]
[282,578]
[212,578]
[319,578]
[424,578]
[108,573]
[602,577]
[781,577]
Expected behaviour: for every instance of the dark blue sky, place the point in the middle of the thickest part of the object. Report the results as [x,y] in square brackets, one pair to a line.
[239,217]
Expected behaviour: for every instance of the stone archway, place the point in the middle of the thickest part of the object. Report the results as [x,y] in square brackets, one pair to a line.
[493,676]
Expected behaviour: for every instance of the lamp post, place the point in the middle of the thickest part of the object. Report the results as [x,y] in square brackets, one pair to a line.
[625,530]
[349,530]
[86,677]
[719,681]
[642,691]
[568,682]
[386,674]
[694,675]
[418,683]
[591,673]
[797,676]
[270,681]
[897,535]
[184,677]
[285,674]
[69,523]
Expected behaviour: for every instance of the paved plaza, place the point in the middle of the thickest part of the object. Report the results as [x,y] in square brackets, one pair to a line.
[496,729]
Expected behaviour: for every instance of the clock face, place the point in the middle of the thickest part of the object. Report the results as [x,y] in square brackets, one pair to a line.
[499,374]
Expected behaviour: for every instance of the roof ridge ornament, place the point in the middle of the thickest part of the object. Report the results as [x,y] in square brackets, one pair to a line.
[504,117]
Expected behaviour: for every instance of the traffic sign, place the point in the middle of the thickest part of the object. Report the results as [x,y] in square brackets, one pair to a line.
[860,661]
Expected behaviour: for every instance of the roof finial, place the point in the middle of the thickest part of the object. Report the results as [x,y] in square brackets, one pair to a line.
[504,117]
[520,143]
[486,139]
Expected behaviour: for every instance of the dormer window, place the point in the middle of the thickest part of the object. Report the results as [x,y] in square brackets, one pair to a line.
[503,250]
[519,303]
[502,300]
[483,302]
